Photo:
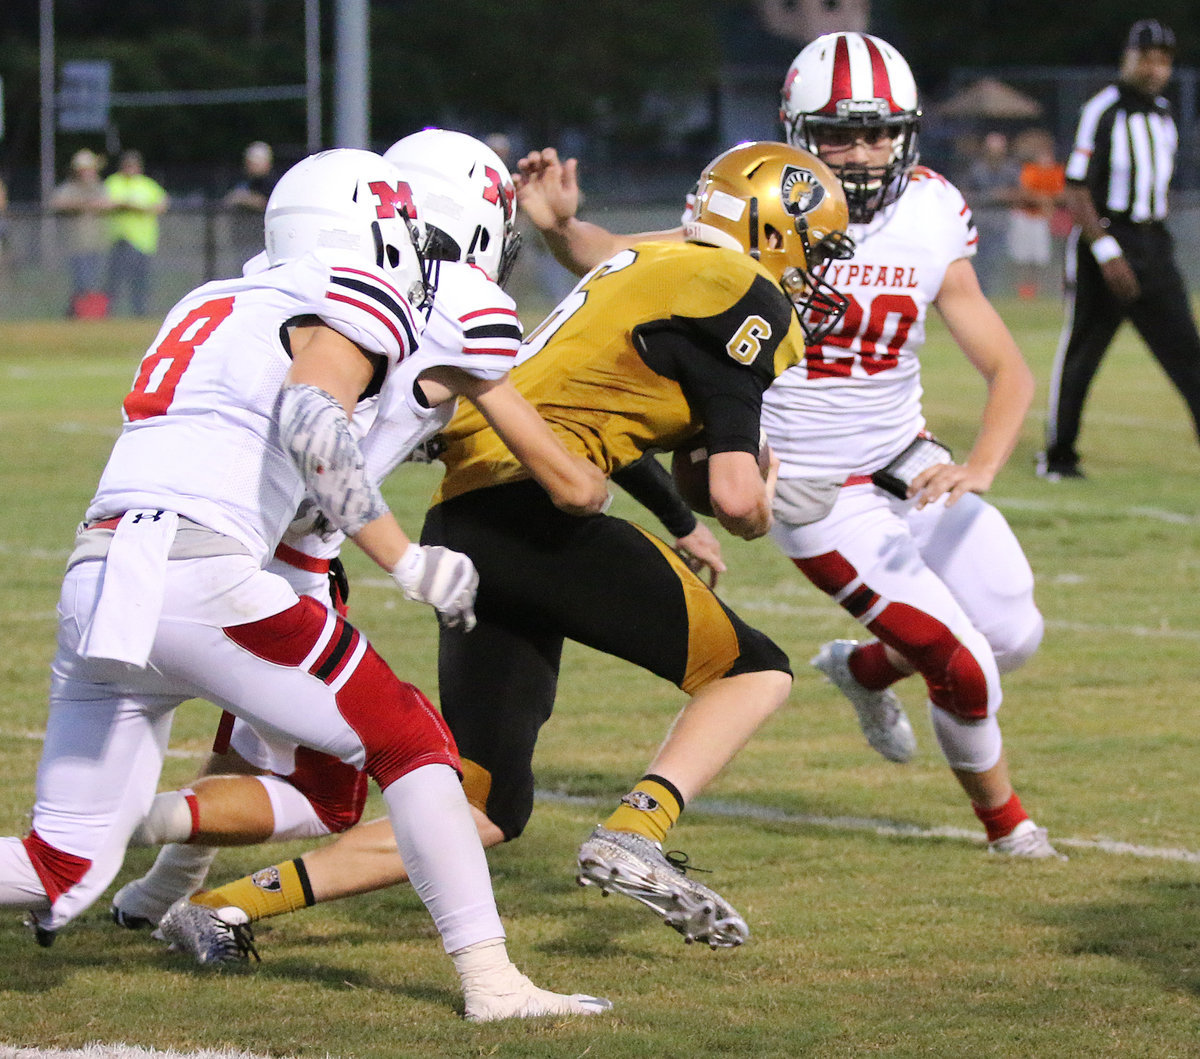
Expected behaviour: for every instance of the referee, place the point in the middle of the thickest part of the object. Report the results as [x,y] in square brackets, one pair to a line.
[1120,257]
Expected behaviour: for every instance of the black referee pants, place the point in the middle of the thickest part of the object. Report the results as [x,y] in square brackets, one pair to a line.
[1162,316]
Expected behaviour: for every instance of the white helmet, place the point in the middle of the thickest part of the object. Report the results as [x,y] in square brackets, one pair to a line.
[354,202]
[466,198]
[847,82]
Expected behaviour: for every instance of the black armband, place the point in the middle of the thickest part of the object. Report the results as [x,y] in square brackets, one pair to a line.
[650,484]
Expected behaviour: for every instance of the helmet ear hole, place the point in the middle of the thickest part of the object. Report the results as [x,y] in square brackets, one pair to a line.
[393,255]
[377,237]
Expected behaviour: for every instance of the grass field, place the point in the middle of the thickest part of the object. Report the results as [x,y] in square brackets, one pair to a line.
[879,924]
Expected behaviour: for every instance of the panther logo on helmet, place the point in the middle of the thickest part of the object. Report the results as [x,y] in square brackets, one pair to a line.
[800,189]
[782,206]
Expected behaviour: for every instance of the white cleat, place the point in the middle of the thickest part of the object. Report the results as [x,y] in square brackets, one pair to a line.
[880,715]
[211,936]
[508,994]
[1026,840]
[630,864]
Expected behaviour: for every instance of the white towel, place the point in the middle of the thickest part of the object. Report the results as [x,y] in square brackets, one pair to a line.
[125,620]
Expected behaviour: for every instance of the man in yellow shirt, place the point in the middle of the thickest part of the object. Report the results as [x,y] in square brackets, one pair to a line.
[137,201]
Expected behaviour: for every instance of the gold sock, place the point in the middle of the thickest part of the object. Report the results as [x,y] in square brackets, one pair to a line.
[650,809]
[268,892]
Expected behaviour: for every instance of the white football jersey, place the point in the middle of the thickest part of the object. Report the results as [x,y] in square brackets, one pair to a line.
[855,401]
[200,436]
[473,326]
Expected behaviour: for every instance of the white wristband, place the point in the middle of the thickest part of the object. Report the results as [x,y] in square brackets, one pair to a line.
[1105,249]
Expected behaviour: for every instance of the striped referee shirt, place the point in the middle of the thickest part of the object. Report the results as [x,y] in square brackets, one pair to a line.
[1125,153]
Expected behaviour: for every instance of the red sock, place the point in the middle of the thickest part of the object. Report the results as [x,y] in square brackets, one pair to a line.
[870,667]
[1001,820]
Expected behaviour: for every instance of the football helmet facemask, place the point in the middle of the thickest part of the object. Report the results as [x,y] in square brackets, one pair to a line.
[845,85]
[349,202]
[784,207]
[466,198]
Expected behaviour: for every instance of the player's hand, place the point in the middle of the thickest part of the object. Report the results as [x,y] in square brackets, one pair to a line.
[1120,279]
[701,551]
[950,480]
[445,579]
[547,189]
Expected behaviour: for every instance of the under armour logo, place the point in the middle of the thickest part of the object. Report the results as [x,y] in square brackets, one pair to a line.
[147,516]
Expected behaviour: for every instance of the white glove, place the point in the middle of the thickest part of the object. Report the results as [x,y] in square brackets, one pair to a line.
[444,579]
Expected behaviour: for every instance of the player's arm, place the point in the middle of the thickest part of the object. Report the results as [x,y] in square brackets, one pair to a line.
[548,191]
[327,375]
[739,498]
[652,486]
[989,346]
[575,485]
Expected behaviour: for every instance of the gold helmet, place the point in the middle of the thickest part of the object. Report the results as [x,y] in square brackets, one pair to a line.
[784,207]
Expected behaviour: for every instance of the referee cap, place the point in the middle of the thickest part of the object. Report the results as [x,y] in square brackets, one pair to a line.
[1150,33]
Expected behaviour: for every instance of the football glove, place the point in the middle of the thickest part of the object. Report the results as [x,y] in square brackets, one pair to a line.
[445,579]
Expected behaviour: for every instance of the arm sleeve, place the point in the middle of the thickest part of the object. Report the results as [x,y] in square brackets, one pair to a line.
[650,484]
[314,431]
[723,360]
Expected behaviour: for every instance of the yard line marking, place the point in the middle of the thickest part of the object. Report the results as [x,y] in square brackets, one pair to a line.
[778,606]
[40,737]
[1154,514]
[886,828]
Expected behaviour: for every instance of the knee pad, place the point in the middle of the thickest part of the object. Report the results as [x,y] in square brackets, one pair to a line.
[400,728]
[956,680]
[968,746]
[1019,648]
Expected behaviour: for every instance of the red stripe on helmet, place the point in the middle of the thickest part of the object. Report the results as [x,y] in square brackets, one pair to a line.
[879,74]
[840,88]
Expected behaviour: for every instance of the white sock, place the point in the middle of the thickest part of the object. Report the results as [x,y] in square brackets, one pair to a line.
[169,820]
[177,872]
[436,836]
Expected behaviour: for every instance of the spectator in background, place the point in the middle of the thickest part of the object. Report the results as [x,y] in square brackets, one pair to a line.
[1039,193]
[136,203]
[246,201]
[82,200]
[990,189]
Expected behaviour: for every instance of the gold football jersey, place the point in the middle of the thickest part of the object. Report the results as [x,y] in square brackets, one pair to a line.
[609,367]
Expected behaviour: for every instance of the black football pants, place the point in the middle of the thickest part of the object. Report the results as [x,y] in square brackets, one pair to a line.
[1162,316]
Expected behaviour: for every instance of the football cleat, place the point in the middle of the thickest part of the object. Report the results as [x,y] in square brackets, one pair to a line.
[218,936]
[1057,470]
[508,994]
[1026,840]
[880,715]
[45,938]
[627,863]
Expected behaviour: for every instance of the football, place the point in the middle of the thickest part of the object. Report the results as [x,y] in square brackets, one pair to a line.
[689,469]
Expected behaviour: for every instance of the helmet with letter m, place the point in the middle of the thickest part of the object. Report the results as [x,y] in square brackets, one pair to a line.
[466,197]
[783,207]
[353,203]
[847,86]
